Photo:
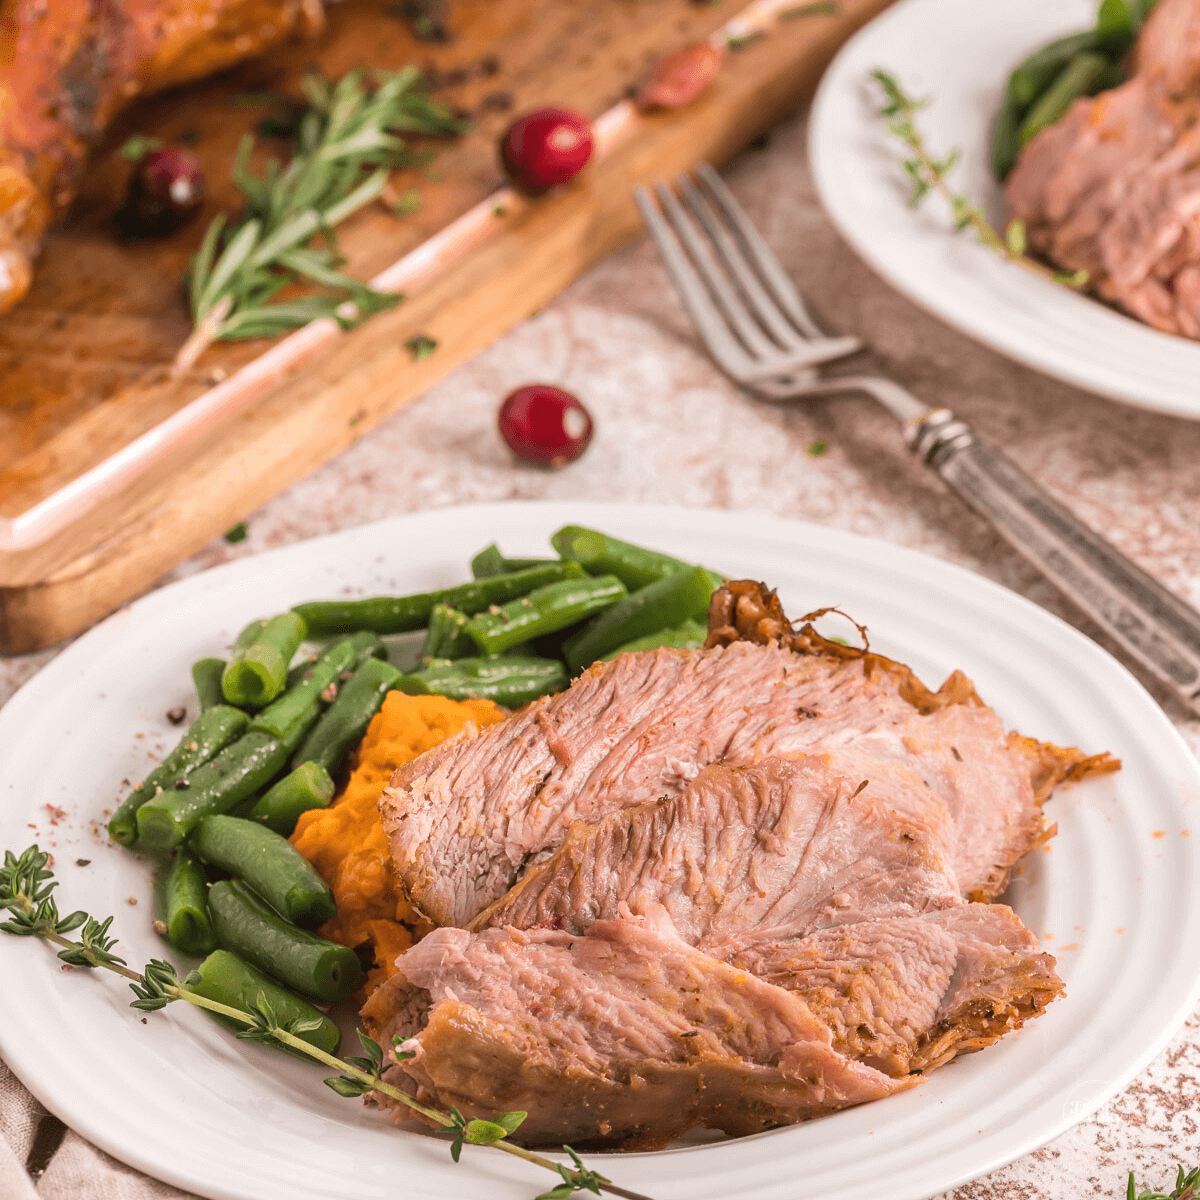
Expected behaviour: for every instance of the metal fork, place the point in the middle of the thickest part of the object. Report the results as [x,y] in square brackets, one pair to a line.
[755,324]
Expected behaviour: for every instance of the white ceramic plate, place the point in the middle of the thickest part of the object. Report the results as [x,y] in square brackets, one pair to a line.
[177,1097]
[958,53]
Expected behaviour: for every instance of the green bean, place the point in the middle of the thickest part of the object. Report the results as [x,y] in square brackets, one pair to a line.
[367,645]
[508,679]
[254,931]
[238,771]
[343,724]
[267,862]
[319,679]
[188,925]
[1118,23]
[489,561]
[1037,72]
[665,604]
[634,566]
[364,643]
[445,636]
[403,614]
[308,786]
[1006,140]
[258,668]
[206,675]
[688,636]
[543,611]
[206,737]
[1080,77]
[229,980]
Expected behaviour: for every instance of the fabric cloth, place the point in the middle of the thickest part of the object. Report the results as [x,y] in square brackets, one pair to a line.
[76,1169]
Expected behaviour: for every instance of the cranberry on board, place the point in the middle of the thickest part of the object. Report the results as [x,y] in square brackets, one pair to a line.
[165,192]
[545,425]
[546,147]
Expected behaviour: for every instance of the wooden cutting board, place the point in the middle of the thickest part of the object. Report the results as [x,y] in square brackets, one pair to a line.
[83,360]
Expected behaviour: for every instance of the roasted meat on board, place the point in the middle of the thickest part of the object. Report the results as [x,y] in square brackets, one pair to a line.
[734,888]
[67,67]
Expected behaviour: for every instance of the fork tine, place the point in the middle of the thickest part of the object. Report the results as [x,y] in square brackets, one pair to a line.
[703,259]
[765,359]
[764,307]
[712,327]
[769,267]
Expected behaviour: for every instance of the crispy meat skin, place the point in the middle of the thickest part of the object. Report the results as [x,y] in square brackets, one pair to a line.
[1113,188]
[67,67]
[905,994]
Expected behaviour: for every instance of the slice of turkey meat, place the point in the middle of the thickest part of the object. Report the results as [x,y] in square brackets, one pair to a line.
[466,819]
[734,888]
[1113,187]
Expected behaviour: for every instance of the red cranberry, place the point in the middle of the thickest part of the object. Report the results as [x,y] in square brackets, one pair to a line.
[166,191]
[547,147]
[545,425]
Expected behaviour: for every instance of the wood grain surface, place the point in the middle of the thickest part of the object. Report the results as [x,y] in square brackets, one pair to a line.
[83,360]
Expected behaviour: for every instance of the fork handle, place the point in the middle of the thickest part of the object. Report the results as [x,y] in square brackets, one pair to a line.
[1154,626]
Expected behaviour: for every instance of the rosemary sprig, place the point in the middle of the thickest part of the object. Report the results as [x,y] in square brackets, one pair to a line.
[347,143]
[26,893]
[928,173]
[1187,1187]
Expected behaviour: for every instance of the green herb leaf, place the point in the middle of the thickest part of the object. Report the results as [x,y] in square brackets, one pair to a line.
[373,1048]
[348,143]
[420,346]
[1014,236]
[138,146]
[237,533]
[483,1133]
[26,887]
[821,8]
[407,203]
[344,1086]
[510,1121]
[927,173]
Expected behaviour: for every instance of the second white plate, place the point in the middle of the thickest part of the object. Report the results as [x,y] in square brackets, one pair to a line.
[957,54]
[1115,894]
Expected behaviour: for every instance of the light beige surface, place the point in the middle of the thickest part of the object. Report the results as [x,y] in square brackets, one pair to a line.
[670,428]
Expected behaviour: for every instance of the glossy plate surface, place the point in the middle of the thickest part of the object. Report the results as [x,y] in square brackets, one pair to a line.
[958,55]
[1117,893]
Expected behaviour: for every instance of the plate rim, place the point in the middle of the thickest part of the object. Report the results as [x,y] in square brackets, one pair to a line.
[809,534]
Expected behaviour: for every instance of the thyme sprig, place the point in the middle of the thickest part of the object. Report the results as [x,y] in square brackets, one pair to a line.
[347,143]
[1187,1187]
[26,894]
[928,174]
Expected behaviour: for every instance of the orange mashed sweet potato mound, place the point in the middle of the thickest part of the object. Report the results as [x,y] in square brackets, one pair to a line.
[346,843]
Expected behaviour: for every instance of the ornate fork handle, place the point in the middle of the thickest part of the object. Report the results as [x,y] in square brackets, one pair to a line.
[1157,628]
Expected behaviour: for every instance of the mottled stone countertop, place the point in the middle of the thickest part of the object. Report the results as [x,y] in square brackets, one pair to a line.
[671,428]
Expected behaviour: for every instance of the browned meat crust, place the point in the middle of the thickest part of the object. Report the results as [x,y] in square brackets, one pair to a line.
[74,64]
[746,610]
[907,994]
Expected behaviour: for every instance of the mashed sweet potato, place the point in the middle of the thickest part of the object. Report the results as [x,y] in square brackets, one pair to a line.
[346,842]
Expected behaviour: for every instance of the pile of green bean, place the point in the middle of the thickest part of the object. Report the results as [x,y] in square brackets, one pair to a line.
[272,737]
[1049,81]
